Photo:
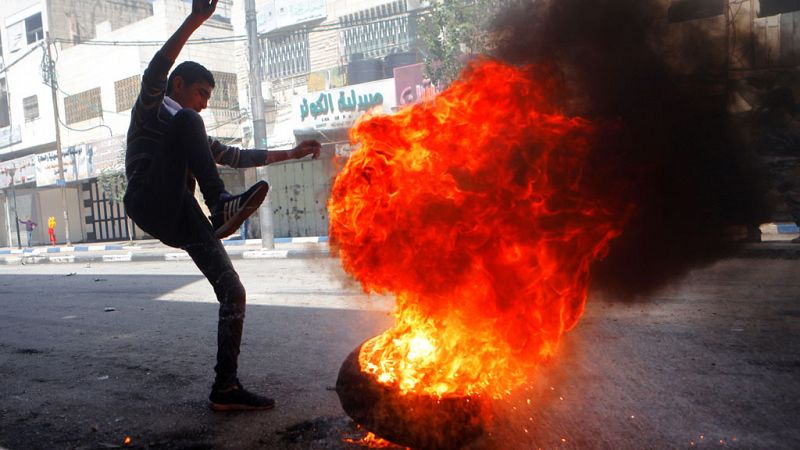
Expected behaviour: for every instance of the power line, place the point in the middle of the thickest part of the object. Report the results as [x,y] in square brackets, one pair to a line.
[31,50]
[421,12]
[102,125]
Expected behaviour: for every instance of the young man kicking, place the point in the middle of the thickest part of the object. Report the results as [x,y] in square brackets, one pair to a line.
[167,153]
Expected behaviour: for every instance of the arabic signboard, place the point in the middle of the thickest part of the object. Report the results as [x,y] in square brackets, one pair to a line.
[75,165]
[104,155]
[275,15]
[24,171]
[339,108]
[411,86]
[81,162]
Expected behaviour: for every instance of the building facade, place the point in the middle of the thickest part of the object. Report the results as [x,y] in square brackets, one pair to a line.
[314,53]
[322,63]
[97,53]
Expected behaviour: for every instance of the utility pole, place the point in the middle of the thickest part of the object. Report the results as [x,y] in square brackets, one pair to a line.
[259,123]
[51,75]
[12,171]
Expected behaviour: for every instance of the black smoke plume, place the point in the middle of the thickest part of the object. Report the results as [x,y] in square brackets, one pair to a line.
[669,146]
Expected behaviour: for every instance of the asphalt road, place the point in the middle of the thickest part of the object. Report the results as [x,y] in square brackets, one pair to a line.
[90,355]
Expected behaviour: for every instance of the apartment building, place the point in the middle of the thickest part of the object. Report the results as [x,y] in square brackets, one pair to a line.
[313,53]
[98,52]
[750,45]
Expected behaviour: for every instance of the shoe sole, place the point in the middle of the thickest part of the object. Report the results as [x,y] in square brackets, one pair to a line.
[219,407]
[247,210]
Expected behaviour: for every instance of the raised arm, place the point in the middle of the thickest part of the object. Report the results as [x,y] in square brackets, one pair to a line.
[154,81]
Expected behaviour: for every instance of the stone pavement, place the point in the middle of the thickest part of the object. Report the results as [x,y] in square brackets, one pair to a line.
[153,250]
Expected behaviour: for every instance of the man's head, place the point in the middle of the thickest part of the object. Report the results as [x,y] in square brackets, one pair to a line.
[190,84]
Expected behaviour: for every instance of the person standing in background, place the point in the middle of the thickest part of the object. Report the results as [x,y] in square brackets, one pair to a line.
[29,227]
[51,230]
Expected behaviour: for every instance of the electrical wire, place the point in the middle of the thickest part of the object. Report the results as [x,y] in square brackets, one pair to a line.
[421,12]
[31,50]
[49,74]
[102,125]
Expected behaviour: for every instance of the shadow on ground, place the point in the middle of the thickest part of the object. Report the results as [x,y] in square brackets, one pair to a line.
[711,361]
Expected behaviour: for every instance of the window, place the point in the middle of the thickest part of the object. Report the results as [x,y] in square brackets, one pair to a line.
[286,54]
[83,106]
[5,119]
[126,91]
[33,28]
[773,7]
[30,106]
[25,32]
[683,10]
[226,94]
[376,32]
[223,11]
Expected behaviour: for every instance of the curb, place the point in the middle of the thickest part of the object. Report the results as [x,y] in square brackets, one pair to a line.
[775,237]
[114,247]
[167,254]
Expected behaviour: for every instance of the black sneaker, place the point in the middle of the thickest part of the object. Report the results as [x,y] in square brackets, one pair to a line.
[230,212]
[237,398]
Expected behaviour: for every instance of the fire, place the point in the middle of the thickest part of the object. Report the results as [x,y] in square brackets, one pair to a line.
[472,209]
[370,441]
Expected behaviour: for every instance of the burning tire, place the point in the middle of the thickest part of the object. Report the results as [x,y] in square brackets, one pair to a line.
[411,420]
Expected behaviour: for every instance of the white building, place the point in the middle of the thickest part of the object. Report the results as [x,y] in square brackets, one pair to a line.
[99,57]
[313,49]
[310,48]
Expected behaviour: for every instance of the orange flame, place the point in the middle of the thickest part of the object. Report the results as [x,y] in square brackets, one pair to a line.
[370,441]
[471,209]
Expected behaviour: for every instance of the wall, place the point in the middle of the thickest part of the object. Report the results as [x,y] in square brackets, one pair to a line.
[299,196]
[50,205]
[76,19]
[82,64]
[24,80]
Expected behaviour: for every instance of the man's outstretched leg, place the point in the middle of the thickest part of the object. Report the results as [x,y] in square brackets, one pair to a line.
[227,393]
[188,139]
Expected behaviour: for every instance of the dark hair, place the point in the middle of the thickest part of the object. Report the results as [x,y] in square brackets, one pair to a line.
[191,72]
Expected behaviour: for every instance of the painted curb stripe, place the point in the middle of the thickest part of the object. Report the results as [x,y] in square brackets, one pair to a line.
[176,257]
[118,258]
[263,254]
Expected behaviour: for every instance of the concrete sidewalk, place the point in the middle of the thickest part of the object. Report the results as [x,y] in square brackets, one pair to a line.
[774,243]
[153,250]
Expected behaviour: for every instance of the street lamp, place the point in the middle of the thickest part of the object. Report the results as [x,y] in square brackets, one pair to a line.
[12,170]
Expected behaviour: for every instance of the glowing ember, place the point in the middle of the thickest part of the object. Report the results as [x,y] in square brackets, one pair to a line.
[370,441]
[472,210]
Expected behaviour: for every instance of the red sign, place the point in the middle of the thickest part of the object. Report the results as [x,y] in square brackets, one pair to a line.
[411,86]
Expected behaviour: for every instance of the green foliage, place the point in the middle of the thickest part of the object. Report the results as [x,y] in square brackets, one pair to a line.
[113,183]
[453,31]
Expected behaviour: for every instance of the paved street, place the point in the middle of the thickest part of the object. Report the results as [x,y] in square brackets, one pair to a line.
[93,352]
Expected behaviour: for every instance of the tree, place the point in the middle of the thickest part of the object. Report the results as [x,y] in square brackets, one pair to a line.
[453,32]
[113,183]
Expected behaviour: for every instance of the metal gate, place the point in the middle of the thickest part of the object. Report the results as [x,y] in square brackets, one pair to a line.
[105,219]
